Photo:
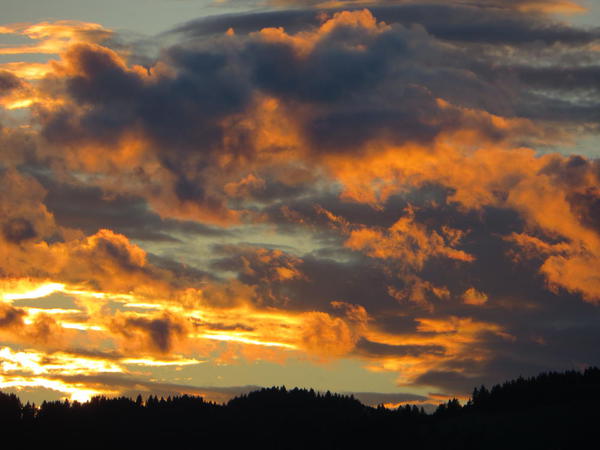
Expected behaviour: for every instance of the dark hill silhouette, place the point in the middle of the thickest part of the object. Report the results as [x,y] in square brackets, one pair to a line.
[552,411]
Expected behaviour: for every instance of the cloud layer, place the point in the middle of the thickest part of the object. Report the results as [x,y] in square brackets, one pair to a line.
[318,184]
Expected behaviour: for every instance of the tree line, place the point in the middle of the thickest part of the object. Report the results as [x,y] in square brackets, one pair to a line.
[551,411]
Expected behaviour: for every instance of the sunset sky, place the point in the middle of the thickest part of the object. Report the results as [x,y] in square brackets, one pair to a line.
[396,199]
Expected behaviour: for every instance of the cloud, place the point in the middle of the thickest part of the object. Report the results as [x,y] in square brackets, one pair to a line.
[24,216]
[407,242]
[398,164]
[453,21]
[8,82]
[53,37]
[104,261]
[11,317]
[156,334]
[134,116]
[18,325]
[256,264]
[374,349]
[131,114]
[36,246]
[474,297]
[18,229]
[269,270]
[87,208]
[327,336]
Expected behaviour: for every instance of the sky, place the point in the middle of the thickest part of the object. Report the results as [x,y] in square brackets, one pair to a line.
[394,199]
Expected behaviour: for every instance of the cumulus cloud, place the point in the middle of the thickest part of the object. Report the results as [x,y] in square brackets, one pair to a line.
[140,126]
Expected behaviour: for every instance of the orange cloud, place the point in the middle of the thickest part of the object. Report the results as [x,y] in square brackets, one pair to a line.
[474,297]
[23,215]
[53,37]
[405,241]
[327,336]
[408,245]
[157,334]
[245,187]
[304,42]
[105,261]
[418,291]
[516,178]
[27,70]
[461,338]
[216,174]
[552,6]
[11,317]
[568,265]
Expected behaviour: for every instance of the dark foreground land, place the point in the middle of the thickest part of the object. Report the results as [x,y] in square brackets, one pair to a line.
[549,412]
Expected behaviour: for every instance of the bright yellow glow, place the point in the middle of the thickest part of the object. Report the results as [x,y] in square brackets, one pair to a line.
[52,37]
[27,70]
[241,339]
[18,104]
[283,318]
[76,392]
[82,395]
[159,363]
[98,295]
[39,292]
[143,305]
[27,98]
[82,326]
[35,311]
[38,363]
[34,369]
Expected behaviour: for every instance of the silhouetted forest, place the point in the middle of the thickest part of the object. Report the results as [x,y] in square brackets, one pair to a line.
[551,411]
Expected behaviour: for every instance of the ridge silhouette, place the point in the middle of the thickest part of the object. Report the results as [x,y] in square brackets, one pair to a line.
[549,411]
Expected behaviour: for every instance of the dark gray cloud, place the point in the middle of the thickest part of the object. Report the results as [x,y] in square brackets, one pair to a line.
[544,330]
[387,89]
[472,24]
[17,230]
[574,79]
[539,346]
[88,208]
[400,60]
[476,23]
[584,200]
[176,114]
[243,23]
[189,114]
[181,111]
[374,349]
[320,280]
[8,82]
[450,381]
[11,316]
[183,274]
[158,333]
